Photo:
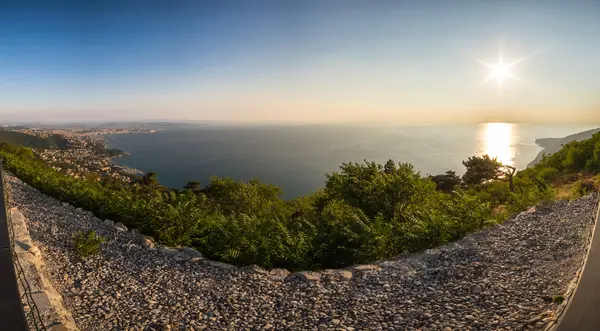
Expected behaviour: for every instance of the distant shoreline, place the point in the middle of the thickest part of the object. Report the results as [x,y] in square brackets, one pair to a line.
[552,145]
[125,170]
[175,175]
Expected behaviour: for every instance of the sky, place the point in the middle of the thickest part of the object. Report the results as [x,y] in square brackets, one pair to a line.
[300,61]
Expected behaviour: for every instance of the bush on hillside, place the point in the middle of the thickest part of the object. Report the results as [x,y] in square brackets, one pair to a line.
[458,215]
[391,192]
[446,182]
[86,244]
[574,157]
[345,235]
[231,197]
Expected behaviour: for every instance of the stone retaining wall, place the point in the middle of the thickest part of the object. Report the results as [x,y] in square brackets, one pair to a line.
[47,300]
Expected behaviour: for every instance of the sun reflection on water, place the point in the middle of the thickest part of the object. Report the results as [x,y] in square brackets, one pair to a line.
[498,139]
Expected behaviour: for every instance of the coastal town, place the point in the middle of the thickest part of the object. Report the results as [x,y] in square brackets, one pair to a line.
[86,154]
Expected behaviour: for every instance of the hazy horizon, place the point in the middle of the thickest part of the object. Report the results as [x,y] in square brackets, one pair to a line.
[291,123]
[428,62]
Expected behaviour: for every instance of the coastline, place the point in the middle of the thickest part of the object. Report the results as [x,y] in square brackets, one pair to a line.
[128,171]
[525,160]
[123,169]
[552,145]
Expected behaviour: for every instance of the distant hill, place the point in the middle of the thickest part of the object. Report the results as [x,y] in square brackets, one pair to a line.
[553,145]
[23,139]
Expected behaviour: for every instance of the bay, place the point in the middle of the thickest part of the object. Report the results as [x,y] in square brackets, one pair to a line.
[297,157]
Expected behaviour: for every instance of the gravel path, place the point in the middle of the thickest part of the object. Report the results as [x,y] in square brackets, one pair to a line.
[503,278]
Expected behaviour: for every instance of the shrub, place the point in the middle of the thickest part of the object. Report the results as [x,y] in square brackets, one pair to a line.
[446,182]
[392,190]
[253,197]
[548,173]
[581,188]
[365,212]
[456,216]
[575,157]
[547,197]
[87,243]
[345,235]
[498,192]
[589,185]
[500,213]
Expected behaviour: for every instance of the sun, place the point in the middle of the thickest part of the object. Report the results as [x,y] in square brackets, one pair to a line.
[501,71]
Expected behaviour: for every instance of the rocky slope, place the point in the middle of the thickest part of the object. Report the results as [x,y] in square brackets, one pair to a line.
[501,278]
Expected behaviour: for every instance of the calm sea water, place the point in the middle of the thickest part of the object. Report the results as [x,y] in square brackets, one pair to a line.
[297,157]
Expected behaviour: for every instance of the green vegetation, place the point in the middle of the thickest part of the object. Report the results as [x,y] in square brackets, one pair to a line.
[17,138]
[446,182]
[86,244]
[366,211]
[558,299]
[101,149]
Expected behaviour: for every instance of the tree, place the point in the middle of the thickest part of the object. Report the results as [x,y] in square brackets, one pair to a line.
[253,197]
[149,179]
[148,185]
[376,189]
[509,173]
[193,186]
[594,162]
[576,157]
[481,169]
[446,182]
[26,153]
[389,167]
[344,235]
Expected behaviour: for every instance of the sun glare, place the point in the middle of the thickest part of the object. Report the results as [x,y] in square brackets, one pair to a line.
[501,71]
[498,141]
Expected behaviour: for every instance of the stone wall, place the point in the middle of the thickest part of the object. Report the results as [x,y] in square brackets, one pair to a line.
[47,300]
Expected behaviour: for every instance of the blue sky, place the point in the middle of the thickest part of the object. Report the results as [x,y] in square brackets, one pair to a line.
[315,61]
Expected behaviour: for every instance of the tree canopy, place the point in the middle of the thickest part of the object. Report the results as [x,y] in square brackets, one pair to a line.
[376,189]
[22,139]
[446,182]
[481,169]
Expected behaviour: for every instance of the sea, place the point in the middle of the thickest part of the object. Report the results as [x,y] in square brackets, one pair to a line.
[298,157]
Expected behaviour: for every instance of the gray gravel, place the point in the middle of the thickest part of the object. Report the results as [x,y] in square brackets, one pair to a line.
[503,278]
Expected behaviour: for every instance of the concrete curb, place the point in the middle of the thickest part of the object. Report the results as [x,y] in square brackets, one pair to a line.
[46,298]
